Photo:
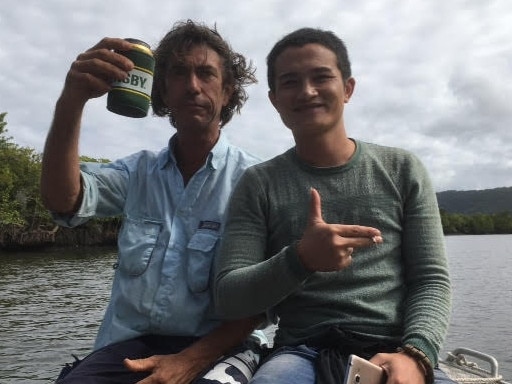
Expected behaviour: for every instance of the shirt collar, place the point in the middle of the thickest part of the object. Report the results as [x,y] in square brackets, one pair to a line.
[216,157]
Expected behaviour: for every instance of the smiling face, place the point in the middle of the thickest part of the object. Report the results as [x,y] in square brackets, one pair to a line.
[310,92]
[194,89]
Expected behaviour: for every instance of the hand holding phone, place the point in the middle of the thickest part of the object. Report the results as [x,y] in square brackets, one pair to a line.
[361,371]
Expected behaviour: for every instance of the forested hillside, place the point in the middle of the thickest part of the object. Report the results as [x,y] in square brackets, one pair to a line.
[486,201]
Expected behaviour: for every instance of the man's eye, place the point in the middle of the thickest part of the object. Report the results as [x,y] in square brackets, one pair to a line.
[206,73]
[322,78]
[288,82]
[177,71]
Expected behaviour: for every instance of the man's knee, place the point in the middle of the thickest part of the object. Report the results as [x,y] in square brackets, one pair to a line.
[291,365]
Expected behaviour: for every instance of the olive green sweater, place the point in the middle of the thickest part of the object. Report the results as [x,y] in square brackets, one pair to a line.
[397,290]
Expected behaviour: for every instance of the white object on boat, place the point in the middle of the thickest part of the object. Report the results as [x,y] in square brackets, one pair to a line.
[460,366]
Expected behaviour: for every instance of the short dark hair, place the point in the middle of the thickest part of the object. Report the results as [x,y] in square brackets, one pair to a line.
[304,36]
[237,72]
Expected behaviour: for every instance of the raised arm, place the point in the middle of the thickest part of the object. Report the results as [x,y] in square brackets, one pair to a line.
[89,77]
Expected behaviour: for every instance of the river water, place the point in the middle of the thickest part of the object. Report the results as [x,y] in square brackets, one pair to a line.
[51,304]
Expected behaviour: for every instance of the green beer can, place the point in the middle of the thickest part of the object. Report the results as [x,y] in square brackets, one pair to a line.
[131,97]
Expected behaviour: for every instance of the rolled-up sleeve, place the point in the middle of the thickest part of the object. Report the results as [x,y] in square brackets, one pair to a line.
[104,189]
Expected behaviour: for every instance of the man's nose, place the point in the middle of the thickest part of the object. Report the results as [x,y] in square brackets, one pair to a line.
[193,83]
[308,89]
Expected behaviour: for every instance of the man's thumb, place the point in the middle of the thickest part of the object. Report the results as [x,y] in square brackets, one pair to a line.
[138,365]
[315,208]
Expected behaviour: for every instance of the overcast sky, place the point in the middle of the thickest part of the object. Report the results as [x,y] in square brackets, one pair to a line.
[433,76]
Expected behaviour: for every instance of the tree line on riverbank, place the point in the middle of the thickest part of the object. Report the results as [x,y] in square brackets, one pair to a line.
[476,224]
[25,222]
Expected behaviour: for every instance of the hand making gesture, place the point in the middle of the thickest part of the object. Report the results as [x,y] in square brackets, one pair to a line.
[328,247]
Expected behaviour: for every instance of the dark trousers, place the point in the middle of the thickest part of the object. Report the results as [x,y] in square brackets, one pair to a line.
[105,366]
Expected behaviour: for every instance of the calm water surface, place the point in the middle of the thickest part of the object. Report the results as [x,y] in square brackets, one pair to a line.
[481,272]
[51,304]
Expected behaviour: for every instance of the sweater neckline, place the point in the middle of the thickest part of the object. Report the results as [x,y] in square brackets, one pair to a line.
[292,154]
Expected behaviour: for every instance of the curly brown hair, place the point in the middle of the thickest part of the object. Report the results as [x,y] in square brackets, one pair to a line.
[237,72]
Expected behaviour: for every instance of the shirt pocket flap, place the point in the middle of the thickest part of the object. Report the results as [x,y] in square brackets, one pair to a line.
[137,240]
[201,249]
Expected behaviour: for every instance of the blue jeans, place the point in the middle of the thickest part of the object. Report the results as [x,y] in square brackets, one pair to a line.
[296,365]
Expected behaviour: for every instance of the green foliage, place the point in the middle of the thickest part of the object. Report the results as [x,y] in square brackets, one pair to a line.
[477,224]
[93,160]
[503,222]
[21,207]
[19,182]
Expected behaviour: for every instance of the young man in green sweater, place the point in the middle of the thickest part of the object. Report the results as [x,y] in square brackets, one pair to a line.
[337,239]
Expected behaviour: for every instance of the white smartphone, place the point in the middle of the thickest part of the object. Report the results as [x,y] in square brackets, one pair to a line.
[361,371]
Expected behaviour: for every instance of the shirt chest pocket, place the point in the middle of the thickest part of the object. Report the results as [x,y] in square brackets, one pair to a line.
[201,250]
[137,241]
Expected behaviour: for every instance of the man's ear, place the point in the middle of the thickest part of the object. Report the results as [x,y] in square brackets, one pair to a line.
[350,84]
[228,92]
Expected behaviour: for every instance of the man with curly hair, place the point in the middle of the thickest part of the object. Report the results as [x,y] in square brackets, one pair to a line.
[159,325]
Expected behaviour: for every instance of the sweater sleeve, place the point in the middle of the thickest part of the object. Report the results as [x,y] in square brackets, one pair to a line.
[428,301]
[248,281]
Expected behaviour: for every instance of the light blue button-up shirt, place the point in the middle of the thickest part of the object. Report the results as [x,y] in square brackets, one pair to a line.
[167,241]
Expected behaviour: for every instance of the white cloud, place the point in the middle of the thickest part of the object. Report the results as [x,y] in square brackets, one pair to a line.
[432,76]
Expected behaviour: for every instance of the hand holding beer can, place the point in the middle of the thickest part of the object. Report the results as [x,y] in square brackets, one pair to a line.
[131,97]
